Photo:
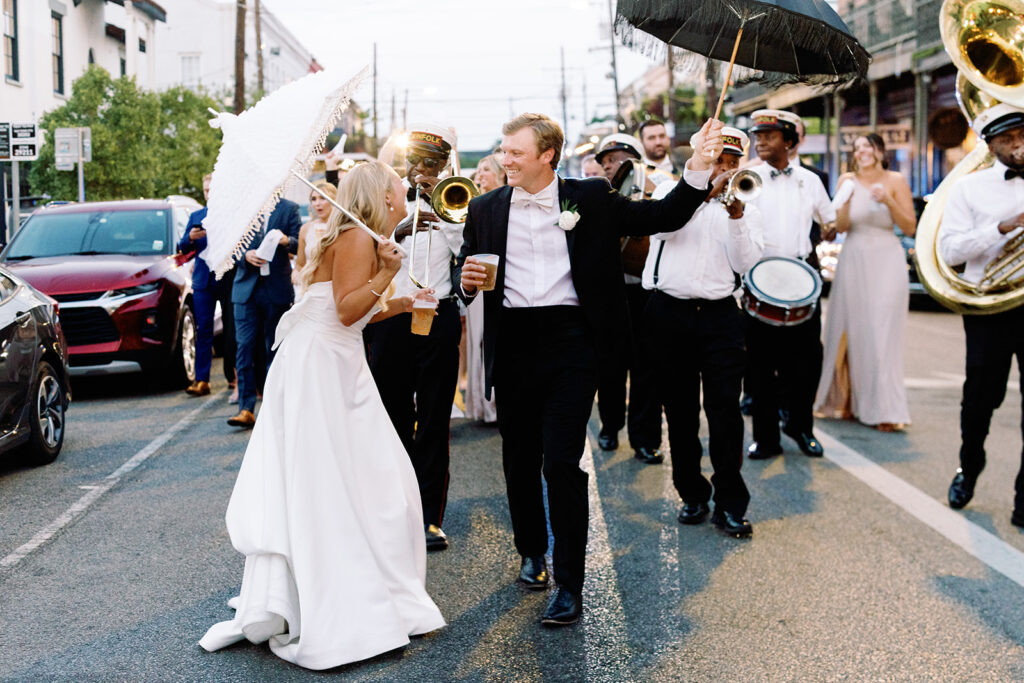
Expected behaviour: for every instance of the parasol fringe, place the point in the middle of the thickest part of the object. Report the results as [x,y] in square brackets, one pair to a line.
[330,113]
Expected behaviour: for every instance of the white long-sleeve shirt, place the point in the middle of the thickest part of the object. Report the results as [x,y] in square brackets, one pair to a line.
[977,204]
[788,205]
[699,260]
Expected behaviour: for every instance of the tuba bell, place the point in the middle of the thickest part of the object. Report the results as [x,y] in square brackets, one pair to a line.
[985,41]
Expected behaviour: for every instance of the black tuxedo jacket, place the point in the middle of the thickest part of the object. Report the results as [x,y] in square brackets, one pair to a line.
[594,253]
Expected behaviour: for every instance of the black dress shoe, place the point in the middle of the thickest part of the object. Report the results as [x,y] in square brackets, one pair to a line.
[961,490]
[608,442]
[564,608]
[436,540]
[533,573]
[728,524]
[693,513]
[807,443]
[1017,518]
[760,451]
[648,456]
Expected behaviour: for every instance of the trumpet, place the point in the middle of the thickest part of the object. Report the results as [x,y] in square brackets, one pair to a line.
[744,185]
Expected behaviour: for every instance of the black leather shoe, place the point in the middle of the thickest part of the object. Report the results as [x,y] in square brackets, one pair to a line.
[563,609]
[728,524]
[648,456]
[694,513]
[1017,519]
[533,573]
[760,451]
[608,442]
[807,443]
[961,490]
[436,540]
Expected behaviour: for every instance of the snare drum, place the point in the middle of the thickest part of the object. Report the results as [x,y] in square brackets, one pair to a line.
[781,291]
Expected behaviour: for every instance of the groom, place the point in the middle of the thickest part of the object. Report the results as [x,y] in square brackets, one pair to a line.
[557,312]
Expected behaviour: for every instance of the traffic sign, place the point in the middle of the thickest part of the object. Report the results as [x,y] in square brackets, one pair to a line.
[5,141]
[86,143]
[65,142]
[24,146]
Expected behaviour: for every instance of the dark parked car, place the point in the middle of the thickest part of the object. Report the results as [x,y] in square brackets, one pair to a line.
[34,384]
[125,296]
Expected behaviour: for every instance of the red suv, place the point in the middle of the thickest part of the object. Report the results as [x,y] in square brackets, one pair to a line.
[125,296]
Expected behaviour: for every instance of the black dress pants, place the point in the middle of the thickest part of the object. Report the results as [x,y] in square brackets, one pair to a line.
[545,375]
[783,362]
[416,377]
[992,341]
[644,421]
[699,342]
[227,311]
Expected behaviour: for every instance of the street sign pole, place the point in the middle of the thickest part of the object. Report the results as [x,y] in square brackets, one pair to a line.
[81,168]
[15,196]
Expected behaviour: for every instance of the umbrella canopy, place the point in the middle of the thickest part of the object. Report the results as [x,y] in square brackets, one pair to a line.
[263,151]
[792,40]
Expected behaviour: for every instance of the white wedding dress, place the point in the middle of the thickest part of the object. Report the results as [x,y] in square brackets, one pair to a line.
[326,508]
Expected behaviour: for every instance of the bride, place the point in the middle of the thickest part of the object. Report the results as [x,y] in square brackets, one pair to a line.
[326,507]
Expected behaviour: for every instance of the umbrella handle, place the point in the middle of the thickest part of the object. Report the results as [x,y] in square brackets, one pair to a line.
[378,238]
[728,74]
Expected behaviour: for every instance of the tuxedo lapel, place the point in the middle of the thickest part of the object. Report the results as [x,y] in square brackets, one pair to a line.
[566,197]
[499,235]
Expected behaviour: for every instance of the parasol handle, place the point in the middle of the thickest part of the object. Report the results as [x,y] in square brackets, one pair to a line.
[377,238]
[728,74]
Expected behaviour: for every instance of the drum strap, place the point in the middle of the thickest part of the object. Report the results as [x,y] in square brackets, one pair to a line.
[657,262]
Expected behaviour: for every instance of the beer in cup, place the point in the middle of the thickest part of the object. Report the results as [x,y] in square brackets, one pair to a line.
[490,263]
[423,311]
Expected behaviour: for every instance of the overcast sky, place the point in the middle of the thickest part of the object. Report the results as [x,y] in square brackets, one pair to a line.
[471,64]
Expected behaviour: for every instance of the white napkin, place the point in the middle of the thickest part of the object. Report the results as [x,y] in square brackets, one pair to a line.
[267,249]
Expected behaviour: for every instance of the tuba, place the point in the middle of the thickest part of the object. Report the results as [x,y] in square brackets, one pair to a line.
[630,181]
[985,41]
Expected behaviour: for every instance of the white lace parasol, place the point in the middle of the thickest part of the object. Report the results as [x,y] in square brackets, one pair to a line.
[263,149]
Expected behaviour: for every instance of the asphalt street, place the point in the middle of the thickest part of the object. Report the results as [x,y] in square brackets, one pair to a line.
[857,570]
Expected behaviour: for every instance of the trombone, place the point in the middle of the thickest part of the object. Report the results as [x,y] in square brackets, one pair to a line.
[450,201]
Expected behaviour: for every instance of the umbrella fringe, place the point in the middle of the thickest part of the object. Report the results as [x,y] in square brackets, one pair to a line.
[330,114]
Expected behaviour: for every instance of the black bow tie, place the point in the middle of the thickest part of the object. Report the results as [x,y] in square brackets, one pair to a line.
[1013,173]
[786,171]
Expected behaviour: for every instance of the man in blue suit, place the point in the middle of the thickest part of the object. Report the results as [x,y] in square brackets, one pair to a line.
[260,301]
[206,292]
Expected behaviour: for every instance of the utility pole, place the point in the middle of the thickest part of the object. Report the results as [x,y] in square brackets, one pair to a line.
[392,111]
[239,56]
[375,138]
[259,53]
[670,93]
[565,110]
[615,70]
[584,119]
[405,110]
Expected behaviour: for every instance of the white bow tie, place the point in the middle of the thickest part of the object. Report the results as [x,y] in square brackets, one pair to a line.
[523,199]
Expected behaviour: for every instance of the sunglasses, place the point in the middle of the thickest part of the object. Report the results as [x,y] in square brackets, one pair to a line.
[428,162]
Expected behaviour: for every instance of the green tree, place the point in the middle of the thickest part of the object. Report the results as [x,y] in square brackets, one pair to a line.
[143,144]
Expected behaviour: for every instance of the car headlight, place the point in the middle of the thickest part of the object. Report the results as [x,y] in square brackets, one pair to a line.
[136,290]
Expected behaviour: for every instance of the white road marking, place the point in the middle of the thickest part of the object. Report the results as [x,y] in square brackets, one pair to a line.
[976,541]
[97,491]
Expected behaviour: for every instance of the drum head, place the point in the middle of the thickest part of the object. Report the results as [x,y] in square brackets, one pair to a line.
[784,281]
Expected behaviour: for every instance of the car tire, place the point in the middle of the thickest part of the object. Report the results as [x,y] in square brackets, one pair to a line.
[183,363]
[47,413]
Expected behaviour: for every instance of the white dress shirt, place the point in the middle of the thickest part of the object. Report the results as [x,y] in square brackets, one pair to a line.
[447,242]
[537,268]
[788,205]
[977,204]
[699,261]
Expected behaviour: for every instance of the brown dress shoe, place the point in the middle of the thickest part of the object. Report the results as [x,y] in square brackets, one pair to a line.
[244,418]
[198,389]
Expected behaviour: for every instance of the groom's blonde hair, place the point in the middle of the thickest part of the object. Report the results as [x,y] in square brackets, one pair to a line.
[546,133]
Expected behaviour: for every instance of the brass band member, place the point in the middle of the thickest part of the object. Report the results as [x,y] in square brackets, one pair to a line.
[415,374]
[785,361]
[692,314]
[644,427]
[985,210]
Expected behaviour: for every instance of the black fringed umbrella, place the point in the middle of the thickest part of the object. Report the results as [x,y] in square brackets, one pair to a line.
[794,41]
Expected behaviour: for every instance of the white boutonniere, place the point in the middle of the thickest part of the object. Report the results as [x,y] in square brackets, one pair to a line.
[569,217]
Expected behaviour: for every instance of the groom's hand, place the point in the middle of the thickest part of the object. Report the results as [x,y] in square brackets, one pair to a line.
[473,275]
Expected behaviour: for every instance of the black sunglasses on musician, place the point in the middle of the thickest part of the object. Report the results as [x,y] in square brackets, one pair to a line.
[429,162]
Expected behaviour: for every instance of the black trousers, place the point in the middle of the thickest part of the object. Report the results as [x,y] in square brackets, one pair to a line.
[227,310]
[783,362]
[416,377]
[545,375]
[701,342]
[992,342]
[644,426]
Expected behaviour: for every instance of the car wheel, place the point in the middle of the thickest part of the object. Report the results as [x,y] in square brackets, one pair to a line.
[46,416]
[186,360]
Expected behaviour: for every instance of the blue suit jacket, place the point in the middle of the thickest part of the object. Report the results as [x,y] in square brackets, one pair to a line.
[278,283]
[202,278]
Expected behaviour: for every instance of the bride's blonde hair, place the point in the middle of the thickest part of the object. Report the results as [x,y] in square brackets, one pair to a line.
[363,191]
